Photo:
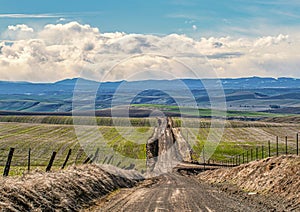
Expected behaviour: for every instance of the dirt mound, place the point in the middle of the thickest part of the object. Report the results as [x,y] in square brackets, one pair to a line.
[278,176]
[68,190]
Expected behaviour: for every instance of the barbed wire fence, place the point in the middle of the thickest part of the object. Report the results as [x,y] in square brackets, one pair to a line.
[19,161]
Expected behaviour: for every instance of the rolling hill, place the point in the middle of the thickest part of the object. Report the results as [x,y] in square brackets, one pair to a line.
[244,94]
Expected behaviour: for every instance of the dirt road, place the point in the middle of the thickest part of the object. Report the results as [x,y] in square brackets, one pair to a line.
[173,192]
[168,190]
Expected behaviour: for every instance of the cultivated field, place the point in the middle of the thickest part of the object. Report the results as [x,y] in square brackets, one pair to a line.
[43,138]
[45,134]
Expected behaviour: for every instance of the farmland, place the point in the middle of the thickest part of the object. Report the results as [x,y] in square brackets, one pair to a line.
[45,134]
[45,138]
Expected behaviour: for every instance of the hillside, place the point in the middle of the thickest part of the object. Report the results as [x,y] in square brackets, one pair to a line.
[242,94]
[277,177]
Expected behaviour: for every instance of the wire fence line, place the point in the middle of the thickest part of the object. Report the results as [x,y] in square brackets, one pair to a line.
[269,149]
[61,159]
[28,161]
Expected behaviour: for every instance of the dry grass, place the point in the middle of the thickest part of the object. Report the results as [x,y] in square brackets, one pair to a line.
[273,176]
[69,190]
[288,119]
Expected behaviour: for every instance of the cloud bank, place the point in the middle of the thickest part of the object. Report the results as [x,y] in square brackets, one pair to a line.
[60,51]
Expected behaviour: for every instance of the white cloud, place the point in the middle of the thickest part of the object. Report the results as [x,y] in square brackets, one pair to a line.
[65,50]
[61,20]
[20,27]
[18,32]
[16,15]
[269,41]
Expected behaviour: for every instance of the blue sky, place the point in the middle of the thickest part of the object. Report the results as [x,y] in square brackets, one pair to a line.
[192,17]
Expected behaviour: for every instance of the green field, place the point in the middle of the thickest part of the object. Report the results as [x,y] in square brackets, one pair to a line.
[45,138]
[238,140]
[47,134]
[208,112]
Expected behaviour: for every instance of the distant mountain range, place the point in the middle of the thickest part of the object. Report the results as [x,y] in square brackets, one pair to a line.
[254,94]
[67,85]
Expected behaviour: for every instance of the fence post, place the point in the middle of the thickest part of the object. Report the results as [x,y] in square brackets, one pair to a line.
[67,158]
[105,159]
[8,162]
[269,145]
[286,145]
[96,155]
[88,159]
[239,159]
[203,152]
[277,146]
[256,151]
[297,144]
[262,152]
[247,158]
[243,158]
[28,163]
[251,154]
[48,169]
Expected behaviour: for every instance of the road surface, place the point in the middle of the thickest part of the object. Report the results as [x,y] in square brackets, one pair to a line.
[173,192]
[168,189]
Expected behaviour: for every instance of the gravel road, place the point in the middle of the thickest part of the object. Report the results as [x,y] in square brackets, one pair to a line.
[174,192]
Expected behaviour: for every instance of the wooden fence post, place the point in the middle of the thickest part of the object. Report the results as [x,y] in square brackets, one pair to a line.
[87,159]
[96,155]
[256,153]
[269,146]
[243,158]
[110,159]
[297,144]
[286,145]
[262,152]
[48,169]
[67,158]
[277,146]
[8,162]
[251,154]
[203,152]
[28,162]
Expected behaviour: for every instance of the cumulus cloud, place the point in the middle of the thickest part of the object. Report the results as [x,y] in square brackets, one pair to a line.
[70,50]
[19,31]
[20,27]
